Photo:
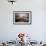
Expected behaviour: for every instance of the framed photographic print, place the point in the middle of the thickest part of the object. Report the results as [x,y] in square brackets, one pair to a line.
[22,17]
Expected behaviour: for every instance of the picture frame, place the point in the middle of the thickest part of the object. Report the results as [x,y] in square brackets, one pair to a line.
[22,17]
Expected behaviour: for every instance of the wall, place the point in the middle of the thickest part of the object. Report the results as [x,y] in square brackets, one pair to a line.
[9,31]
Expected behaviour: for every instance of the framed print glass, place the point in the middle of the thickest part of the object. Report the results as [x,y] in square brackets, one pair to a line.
[22,17]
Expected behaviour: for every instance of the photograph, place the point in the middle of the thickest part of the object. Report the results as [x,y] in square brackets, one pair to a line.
[22,17]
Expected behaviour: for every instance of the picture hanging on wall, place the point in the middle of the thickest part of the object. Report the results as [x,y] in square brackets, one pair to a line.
[22,17]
